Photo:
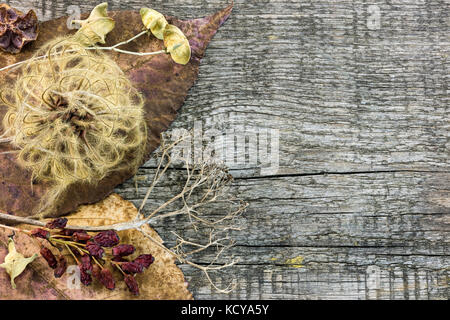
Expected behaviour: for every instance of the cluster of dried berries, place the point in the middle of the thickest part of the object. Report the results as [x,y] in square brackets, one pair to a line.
[92,253]
[16,28]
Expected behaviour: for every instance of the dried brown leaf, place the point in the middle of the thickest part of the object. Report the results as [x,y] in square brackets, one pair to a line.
[162,280]
[163,83]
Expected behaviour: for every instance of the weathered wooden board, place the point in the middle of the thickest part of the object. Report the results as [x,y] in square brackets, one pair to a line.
[359,96]
[338,227]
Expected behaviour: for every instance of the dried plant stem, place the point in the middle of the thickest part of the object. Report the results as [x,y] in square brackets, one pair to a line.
[112,48]
[14,229]
[16,219]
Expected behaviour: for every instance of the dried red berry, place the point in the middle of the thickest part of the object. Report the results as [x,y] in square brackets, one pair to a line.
[107,239]
[68,232]
[106,278]
[96,271]
[85,278]
[40,233]
[123,250]
[61,268]
[86,264]
[95,250]
[85,270]
[59,223]
[81,236]
[119,259]
[131,267]
[132,284]
[16,28]
[144,260]
[49,257]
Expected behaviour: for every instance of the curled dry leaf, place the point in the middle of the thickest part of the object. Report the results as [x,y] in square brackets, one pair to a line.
[163,83]
[162,280]
[16,28]
[15,263]
[154,21]
[95,28]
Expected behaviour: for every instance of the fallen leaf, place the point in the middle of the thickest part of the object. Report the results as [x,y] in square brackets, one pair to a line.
[163,83]
[163,280]
[15,263]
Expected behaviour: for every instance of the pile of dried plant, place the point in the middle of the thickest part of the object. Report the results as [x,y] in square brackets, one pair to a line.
[206,185]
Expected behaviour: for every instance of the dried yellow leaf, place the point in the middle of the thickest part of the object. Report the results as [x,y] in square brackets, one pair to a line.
[177,44]
[154,21]
[15,263]
[95,28]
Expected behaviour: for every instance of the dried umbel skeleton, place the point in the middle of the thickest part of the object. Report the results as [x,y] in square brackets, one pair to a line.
[74,117]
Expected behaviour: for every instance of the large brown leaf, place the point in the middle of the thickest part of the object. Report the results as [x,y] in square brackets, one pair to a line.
[162,280]
[164,84]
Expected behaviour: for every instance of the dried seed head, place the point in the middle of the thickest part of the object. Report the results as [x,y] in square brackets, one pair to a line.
[16,28]
[95,28]
[154,21]
[80,121]
[177,44]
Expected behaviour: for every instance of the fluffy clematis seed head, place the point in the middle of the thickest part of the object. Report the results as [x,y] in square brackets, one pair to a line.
[80,121]
[16,28]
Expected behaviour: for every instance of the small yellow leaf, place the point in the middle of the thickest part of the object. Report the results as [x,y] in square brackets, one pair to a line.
[95,28]
[15,263]
[296,262]
[154,21]
[177,44]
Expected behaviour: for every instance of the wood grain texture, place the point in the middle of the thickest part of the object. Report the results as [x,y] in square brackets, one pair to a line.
[361,197]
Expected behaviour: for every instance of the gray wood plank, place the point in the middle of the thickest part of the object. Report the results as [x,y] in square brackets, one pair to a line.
[361,99]
[342,226]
